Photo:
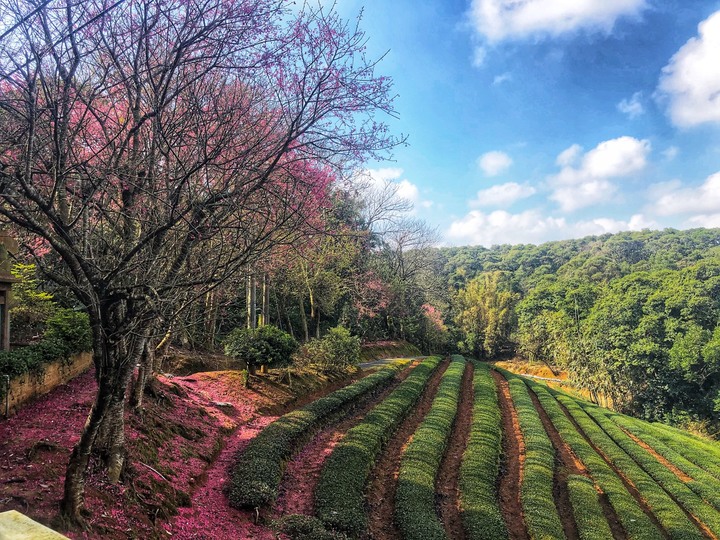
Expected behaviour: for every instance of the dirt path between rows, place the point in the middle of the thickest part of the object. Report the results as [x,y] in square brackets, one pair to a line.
[511,465]
[381,492]
[447,488]
[210,515]
[566,463]
[624,479]
[675,470]
[303,470]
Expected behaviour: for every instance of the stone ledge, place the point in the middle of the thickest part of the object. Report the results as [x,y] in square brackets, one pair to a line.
[17,526]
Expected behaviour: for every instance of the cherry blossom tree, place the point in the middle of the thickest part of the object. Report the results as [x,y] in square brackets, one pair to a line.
[159,147]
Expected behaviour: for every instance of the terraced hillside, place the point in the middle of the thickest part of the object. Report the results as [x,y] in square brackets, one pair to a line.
[455,449]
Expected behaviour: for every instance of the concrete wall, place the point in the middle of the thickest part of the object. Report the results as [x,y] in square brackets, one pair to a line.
[31,385]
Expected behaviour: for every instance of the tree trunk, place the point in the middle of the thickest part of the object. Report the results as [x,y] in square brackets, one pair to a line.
[303,318]
[251,299]
[72,503]
[110,439]
[212,305]
[265,300]
[145,374]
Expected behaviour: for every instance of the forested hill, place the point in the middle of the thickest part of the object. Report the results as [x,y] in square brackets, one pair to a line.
[632,316]
[596,258]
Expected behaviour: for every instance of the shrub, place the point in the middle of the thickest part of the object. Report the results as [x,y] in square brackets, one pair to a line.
[31,306]
[338,348]
[67,332]
[70,327]
[299,527]
[265,345]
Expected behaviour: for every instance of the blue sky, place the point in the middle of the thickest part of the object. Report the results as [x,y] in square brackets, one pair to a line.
[536,120]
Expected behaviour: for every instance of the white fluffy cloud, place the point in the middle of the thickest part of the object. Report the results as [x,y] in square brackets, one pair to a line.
[672,199]
[587,179]
[501,227]
[633,107]
[502,195]
[494,163]
[690,83]
[377,178]
[498,20]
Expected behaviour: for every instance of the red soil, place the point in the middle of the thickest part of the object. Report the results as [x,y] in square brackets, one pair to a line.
[172,448]
[512,463]
[210,516]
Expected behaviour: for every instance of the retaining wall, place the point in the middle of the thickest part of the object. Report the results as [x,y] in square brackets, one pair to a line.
[28,386]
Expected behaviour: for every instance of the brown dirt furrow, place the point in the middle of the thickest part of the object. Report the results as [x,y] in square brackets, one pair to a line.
[447,487]
[566,463]
[303,470]
[511,467]
[381,491]
[677,472]
[624,479]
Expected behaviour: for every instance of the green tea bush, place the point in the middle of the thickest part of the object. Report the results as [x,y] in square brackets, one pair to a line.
[340,493]
[536,494]
[337,348]
[265,345]
[635,522]
[415,498]
[670,516]
[481,462]
[258,470]
[685,496]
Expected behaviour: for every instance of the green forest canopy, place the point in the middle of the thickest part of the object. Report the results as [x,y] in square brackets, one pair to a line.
[631,316]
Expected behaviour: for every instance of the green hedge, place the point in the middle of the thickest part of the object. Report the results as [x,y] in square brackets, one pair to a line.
[536,491]
[637,525]
[702,483]
[481,462]
[340,494]
[258,470]
[66,333]
[701,452]
[669,514]
[415,512]
[660,473]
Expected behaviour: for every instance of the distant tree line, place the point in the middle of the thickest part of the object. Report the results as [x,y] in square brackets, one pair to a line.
[633,317]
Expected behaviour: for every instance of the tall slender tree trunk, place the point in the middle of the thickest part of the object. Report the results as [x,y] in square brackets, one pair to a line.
[251,298]
[265,299]
[212,307]
[303,319]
